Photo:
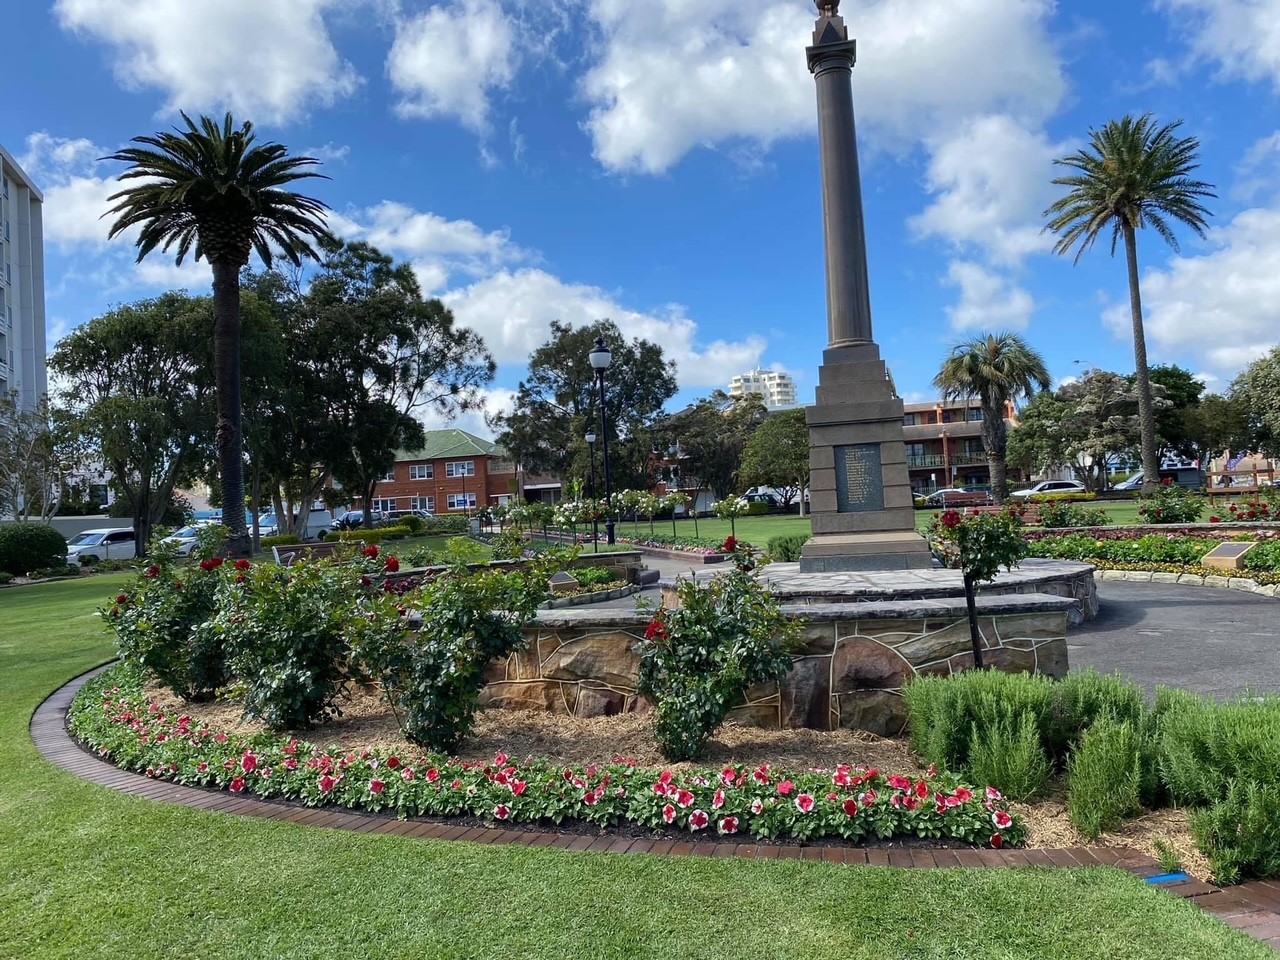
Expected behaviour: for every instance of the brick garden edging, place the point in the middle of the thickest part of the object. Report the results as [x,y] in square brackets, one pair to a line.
[1252,908]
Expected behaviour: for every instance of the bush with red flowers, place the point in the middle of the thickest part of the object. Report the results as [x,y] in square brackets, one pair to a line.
[113,718]
[698,659]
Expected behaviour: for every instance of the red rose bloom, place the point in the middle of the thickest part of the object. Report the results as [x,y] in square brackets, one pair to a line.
[393,564]
[152,572]
[243,564]
[656,630]
[122,598]
[951,519]
[371,551]
[730,544]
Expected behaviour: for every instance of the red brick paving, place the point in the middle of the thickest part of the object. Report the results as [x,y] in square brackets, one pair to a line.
[1252,907]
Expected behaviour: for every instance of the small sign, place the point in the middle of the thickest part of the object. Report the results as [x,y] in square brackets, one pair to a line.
[1227,556]
[562,582]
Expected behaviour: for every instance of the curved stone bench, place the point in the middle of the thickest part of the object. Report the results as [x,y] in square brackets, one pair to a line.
[850,671]
[1061,578]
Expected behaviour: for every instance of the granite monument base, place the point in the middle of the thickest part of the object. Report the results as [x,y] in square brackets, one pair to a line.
[859,492]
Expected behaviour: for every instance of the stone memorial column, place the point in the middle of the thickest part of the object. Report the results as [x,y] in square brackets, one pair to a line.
[860,495]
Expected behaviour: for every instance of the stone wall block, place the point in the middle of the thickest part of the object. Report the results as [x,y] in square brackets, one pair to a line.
[543,695]
[938,639]
[817,639]
[601,656]
[597,700]
[861,663]
[1010,660]
[806,694]
[882,712]
[1051,658]
[765,715]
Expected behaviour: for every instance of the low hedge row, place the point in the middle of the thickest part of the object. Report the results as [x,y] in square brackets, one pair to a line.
[1118,753]
[25,547]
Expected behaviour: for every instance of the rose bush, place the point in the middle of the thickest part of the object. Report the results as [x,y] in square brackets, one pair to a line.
[112,717]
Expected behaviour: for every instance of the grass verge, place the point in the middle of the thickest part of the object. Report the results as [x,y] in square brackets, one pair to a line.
[91,873]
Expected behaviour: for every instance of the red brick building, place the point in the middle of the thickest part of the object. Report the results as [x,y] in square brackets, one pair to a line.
[944,444]
[455,472]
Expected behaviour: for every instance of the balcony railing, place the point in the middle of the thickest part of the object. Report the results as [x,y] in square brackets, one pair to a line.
[932,461]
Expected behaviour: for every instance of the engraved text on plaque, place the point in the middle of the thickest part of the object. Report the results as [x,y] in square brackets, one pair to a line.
[859,478]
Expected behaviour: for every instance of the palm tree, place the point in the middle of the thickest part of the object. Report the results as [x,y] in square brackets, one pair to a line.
[1132,174]
[210,191]
[999,369]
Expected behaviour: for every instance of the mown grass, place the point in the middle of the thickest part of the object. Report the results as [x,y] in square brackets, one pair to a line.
[88,873]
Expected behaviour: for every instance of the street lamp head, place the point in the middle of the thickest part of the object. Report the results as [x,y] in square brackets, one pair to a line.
[591,437]
[600,356]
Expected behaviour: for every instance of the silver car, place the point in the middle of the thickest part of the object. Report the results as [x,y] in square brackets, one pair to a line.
[107,543]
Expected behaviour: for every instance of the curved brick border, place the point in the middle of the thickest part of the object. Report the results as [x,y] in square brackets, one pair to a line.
[1253,908]
[1243,584]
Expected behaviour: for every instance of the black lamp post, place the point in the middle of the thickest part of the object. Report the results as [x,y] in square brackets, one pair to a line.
[600,359]
[591,490]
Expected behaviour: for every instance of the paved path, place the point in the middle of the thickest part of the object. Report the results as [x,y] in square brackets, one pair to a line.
[1215,642]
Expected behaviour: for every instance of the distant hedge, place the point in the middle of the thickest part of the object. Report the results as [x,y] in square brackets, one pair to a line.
[25,547]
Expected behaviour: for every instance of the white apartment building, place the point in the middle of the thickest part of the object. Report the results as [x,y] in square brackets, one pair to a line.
[22,337]
[777,388]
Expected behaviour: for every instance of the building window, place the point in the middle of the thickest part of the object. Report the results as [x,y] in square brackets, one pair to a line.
[975,413]
[462,501]
[384,504]
[421,471]
[389,477]
[909,420]
[424,503]
[461,468]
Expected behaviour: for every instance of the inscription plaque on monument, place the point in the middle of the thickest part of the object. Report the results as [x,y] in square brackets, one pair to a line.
[859,478]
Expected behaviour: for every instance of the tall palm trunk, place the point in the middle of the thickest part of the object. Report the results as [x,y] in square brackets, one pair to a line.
[226,362]
[995,442]
[1146,408]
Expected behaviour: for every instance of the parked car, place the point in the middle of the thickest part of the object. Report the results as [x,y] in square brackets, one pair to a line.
[401,514]
[355,518]
[185,538]
[319,521]
[1051,486]
[766,498]
[107,543]
[1190,477]
[958,497]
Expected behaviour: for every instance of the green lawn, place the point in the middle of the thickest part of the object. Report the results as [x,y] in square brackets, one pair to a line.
[88,873]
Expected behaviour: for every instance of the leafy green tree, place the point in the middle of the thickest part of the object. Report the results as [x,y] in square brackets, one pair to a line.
[1101,422]
[1215,425]
[34,459]
[777,455]
[1181,392]
[1257,391]
[1132,174]
[137,384]
[998,369]
[712,434]
[1039,444]
[559,401]
[210,191]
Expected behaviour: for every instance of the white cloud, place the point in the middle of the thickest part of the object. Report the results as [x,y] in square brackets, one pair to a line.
[1221,308]
[988,301]
[514,310]
[494,401]
[437,248]
[1243,36]
[1258,172]
[271,59]
[330,152]
[991,180]
[672,75]
[449,59]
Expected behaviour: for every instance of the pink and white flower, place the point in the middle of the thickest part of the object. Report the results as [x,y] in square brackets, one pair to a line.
[1002,820]
[804,802]
[757,806]
[669,813]
[698,820]
[377,786]
[502,812]
[729,825]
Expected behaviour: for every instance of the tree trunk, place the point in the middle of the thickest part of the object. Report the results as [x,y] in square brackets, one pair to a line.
[1146,409]
[975,635]
[367,490]
[226,362]
[256,497]
[995,441]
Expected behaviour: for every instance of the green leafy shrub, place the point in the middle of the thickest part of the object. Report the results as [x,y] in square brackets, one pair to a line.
[597,576]
[443,527]
[286,631]
[415,525]
[1083,697]
[698,659]
[1241,833]
[281,540]
[508,545]
[1057,514]
[757,509]
[944,710]
[377,535]
[1006,752]
[1077,497]
[161,627]
[5,577]
[786,549]
[1171,504]
[30,546]
[1104,777]
[432,678]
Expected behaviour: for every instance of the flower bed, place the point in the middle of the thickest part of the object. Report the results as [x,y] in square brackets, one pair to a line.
[113,717]
[1161,553]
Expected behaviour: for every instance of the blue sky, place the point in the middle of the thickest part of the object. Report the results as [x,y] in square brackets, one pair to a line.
[655,161]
